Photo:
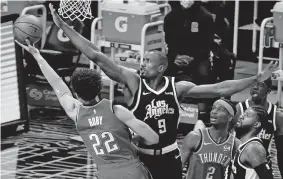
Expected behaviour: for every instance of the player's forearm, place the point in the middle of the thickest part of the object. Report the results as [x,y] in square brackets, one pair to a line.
[230,87]
[52,77]
[81,43]
[148,134]
[185,155]
[109,67]
[183,158]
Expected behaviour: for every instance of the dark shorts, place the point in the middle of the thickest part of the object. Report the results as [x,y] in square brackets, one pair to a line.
[166,166]
[132,169]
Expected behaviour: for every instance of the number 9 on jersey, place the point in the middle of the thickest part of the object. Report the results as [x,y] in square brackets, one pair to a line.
[161,126]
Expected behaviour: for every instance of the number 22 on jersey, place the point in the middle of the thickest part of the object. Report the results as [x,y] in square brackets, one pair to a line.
[103,143]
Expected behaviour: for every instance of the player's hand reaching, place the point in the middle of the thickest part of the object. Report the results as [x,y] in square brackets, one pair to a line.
[30,48]
[267,71]
[57,20]
[183,60]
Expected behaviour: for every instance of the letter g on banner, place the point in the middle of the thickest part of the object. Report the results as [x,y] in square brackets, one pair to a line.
[121,24]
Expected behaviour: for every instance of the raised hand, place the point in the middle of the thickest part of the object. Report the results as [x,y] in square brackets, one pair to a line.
[183,60]
[267,71]
[57,20]
[30,48]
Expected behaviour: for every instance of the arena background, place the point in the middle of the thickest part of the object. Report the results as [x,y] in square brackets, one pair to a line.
[37,139]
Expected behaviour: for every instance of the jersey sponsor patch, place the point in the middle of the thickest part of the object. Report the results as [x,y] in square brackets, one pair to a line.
[226,148]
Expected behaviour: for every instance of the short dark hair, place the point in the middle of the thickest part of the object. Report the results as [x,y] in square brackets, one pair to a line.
[231,103]
[261,115]
[86,83]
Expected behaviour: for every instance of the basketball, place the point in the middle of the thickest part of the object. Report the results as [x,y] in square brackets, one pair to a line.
[27,26]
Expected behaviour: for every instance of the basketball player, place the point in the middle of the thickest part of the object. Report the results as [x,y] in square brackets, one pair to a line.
[154,99]
[274,126]
[102,126]
[251,161]
[209,151]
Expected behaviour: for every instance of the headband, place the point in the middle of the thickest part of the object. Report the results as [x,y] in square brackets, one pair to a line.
[227,106]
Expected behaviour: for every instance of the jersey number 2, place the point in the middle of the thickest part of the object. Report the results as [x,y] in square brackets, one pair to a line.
[109,145]
[161,126]
[210,172]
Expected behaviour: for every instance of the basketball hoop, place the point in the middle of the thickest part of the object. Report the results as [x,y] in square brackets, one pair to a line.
[75,9]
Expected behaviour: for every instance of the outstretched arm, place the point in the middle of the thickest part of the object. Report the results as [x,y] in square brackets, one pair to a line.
[110,68]
[138,126]
[279,139]
[62,91]
[191,142]
[255,156]
[225,88]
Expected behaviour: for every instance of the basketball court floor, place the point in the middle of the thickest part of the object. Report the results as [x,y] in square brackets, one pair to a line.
[47,151]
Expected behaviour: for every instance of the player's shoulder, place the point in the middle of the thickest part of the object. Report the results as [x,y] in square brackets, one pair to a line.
[254,153]
[69,102]
[132,77]
[194,137]
[196,133]
[255,148]
[237,143]
[128,71]
[71,106]
[171,15]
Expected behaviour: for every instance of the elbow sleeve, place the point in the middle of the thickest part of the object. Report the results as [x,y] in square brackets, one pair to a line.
[264,171]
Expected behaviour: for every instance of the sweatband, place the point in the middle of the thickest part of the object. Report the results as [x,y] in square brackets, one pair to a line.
[227,106]
[264,171]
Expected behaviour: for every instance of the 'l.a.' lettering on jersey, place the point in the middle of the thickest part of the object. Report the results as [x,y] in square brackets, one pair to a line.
[211,159]
[267,132]
[157,108]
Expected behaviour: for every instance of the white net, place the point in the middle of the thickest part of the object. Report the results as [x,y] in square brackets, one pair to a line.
[75,9]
